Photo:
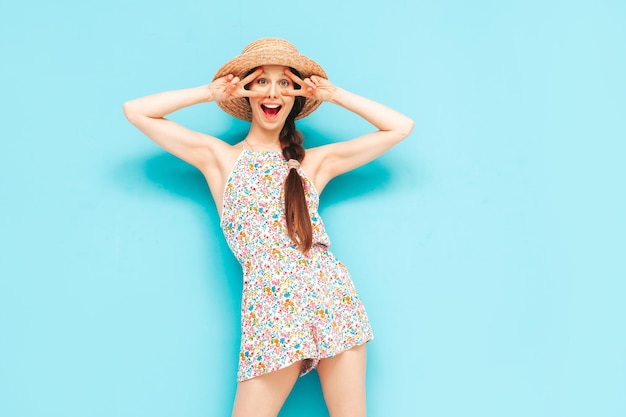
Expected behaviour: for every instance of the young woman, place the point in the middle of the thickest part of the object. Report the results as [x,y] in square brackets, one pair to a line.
[299,307]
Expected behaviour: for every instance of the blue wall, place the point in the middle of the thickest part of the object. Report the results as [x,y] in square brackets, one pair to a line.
[488,247]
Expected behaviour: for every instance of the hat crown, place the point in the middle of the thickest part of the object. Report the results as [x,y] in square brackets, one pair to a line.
[270,45]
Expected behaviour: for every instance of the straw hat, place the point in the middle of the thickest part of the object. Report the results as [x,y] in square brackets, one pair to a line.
[268,51]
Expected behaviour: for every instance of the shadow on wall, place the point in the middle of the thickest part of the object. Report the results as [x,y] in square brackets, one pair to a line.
[178,177]
[367,179]
[166,172]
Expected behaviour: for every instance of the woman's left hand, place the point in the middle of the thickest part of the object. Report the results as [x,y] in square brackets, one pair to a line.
[315,87]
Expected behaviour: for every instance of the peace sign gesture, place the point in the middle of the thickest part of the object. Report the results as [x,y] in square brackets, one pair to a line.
[315,87]
[229,87]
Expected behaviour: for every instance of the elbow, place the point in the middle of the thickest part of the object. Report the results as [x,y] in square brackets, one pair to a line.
[405,129]
[130,112]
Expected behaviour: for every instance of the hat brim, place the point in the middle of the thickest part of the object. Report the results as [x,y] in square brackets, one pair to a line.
[240,65]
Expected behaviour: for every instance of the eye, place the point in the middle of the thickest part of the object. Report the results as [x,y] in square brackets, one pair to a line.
[261,81]
[284,83]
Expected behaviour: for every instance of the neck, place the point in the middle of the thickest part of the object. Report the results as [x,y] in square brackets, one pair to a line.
[263,140]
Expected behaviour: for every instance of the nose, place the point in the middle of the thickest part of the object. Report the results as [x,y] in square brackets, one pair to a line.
[273,90]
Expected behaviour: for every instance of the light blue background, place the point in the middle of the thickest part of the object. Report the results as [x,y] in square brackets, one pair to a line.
[488,247]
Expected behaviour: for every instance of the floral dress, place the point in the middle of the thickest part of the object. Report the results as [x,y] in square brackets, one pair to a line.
[295,306]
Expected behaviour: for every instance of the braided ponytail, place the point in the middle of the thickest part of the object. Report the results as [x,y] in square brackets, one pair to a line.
[299,226]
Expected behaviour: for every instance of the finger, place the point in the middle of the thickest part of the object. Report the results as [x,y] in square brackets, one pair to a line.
[224,79]
[317,80]
[293,77]
[252,76]
[310,83]
[250,93]
[294,93]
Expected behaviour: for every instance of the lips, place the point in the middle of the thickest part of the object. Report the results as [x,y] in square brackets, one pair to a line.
[271,110]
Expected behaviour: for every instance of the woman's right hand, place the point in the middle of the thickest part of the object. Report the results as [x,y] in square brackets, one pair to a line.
[203,151]
[230,87]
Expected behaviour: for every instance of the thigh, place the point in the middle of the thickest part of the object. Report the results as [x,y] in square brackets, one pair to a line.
[343,382]
[264,395]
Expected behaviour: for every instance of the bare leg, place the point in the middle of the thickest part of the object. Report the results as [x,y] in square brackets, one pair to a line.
[264,395]
[343,382]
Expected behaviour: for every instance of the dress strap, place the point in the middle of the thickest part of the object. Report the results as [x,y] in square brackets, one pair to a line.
[246,146]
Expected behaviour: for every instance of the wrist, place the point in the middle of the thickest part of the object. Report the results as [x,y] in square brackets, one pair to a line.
[206,93]
[337,96]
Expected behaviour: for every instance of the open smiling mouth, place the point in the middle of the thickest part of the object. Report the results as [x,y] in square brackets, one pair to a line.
[271,110]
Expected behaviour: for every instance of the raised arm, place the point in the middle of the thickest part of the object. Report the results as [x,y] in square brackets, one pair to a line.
[328,161]
[201,150]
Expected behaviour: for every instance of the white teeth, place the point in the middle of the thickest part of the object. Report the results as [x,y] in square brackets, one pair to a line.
[272,106]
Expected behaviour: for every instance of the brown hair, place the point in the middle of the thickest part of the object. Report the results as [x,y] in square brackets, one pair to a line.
[299,226]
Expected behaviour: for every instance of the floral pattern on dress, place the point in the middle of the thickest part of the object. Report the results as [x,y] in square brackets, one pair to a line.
[295,306]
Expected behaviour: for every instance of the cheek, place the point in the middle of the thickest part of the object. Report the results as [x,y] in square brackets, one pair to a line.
[253,102]
[288,102]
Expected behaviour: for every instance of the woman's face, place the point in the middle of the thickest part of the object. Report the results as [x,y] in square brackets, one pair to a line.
[272,109]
